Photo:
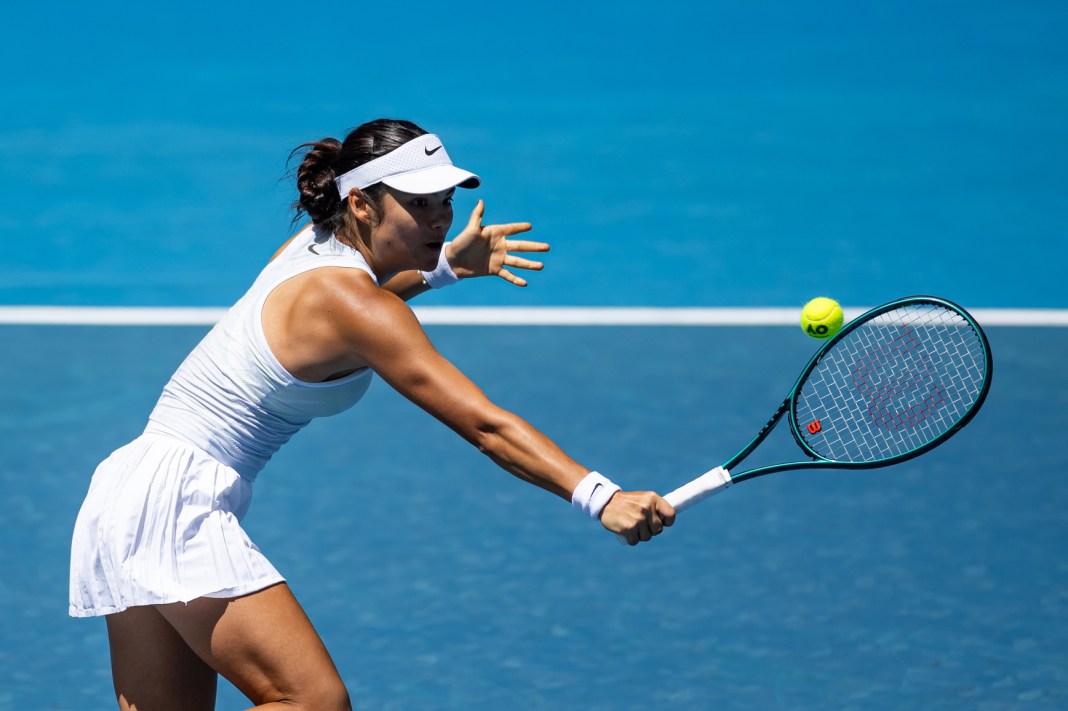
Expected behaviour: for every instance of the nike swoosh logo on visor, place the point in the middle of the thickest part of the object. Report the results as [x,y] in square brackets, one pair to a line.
[432,152]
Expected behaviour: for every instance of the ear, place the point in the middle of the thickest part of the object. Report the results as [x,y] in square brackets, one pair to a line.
[361,208]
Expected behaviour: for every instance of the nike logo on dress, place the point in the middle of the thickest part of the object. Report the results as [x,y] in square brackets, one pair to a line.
[430,152]
[311,248]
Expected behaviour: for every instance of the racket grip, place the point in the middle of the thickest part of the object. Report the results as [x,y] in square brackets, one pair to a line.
[709,483]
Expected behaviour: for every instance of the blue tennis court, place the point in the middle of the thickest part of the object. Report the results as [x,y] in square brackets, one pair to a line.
[940,583]
[700,155]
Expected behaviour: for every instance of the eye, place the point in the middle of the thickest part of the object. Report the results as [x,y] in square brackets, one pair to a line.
[447,202]
[420,202]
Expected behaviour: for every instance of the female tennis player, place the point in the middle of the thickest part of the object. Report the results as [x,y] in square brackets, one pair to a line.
[158,547]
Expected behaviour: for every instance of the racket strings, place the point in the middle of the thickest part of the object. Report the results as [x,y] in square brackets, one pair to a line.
[892,385]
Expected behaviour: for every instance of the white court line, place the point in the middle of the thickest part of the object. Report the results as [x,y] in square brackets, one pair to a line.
[502,316]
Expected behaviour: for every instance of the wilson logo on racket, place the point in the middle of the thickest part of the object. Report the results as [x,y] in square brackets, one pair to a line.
[814,427]
[899,382]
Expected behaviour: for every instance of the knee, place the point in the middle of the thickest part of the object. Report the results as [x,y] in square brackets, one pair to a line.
[329,695]
[323,695]
[336,700]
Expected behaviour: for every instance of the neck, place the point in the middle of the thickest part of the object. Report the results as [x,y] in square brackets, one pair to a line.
[360,245]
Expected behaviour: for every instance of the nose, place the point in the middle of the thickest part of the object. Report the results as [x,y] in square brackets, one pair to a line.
[441,217]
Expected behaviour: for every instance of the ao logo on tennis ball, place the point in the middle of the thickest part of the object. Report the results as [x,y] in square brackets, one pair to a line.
[819,330]
[822,317]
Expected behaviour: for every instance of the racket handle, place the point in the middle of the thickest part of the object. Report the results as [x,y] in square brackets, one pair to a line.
[709,483]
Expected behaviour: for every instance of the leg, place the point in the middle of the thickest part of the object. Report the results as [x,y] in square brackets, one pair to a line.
[265,645]
[153,668]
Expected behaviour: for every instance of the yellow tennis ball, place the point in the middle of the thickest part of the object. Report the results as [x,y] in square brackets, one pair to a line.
[821,317]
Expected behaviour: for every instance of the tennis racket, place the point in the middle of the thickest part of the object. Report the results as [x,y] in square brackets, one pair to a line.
[894,383]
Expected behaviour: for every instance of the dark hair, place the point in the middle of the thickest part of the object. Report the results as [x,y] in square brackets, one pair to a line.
[323,161]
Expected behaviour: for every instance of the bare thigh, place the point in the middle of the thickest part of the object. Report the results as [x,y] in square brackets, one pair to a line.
[152,666]
[264,645]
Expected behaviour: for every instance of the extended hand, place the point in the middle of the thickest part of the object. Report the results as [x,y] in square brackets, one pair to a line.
[637,515]
[484,250]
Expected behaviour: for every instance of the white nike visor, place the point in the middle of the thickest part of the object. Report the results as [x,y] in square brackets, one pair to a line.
[421,166]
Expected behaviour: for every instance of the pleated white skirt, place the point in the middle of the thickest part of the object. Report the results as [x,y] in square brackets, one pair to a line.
[161,524]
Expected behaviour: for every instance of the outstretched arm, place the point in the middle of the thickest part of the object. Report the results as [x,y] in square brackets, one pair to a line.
[386,335]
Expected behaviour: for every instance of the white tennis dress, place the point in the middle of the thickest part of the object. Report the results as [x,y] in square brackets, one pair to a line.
[161,521]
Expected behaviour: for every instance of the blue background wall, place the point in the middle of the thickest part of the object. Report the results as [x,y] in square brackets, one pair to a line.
[701,153]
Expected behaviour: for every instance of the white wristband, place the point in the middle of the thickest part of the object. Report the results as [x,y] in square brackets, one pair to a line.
[443,275]
[592,494]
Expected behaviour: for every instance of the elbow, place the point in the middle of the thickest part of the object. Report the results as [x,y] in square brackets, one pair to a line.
[489,432]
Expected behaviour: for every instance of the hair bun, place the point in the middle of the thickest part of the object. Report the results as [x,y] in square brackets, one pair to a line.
[315,179]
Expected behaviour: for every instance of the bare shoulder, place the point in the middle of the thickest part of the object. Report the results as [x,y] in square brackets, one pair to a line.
[361,311]
[338,295]
[330,320]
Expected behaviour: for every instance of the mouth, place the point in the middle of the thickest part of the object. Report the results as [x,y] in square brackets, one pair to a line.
[435,245]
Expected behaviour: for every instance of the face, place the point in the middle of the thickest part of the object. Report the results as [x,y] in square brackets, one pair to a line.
[411,229]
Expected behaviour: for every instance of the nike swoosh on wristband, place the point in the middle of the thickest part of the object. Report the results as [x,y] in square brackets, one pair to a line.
[431,152]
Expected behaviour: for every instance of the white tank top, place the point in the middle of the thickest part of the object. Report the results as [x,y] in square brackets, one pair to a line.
[231,397]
